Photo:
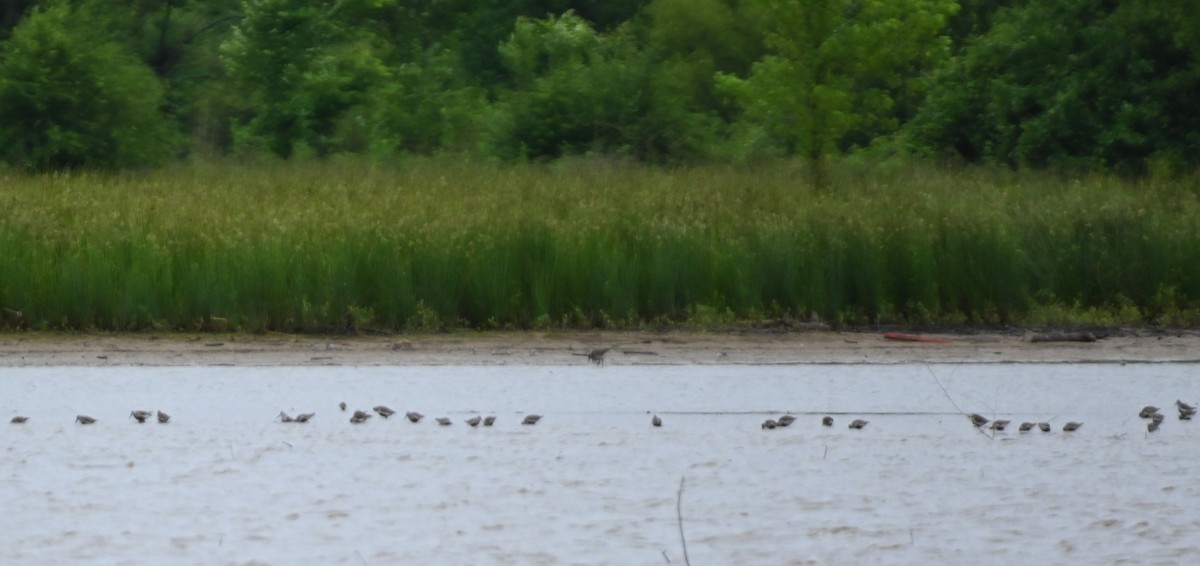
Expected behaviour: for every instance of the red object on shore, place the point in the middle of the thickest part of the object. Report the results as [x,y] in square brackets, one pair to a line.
[915,338]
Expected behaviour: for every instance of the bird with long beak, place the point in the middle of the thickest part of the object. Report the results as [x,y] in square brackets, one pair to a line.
[384,411]
[303,417]
[140,416]
[977,419]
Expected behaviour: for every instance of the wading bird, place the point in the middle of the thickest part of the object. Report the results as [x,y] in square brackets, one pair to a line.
[858,424]
[342,405]
[1044,426]
[1026,427]
[414,416]
[1184,406]
[140,416]
[769,424]
[84,419]
[163,418]
[999,425]
[597,356]
[383,411]
[1072,426]
[786,420]
[531,419]
[303,417]
[444,421]
[474,421]
[489,420]
[656,421]
[284,417]
[1152,426]
[1148,411]
[977,419]
[827,421]
[18,419]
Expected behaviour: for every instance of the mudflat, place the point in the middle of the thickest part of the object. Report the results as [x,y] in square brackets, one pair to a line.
[571,347]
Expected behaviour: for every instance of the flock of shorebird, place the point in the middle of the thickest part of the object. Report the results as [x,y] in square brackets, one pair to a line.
[1186,412]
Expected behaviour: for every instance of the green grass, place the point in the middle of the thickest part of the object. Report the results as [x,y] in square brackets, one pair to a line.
[434,244]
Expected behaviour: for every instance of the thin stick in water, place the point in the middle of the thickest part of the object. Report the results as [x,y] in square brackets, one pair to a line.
[679,515]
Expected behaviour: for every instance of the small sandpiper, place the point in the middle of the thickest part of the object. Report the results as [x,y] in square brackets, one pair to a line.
[1148,411]
[303,417]
[444,421]
[656,421]
[383,411]
[1152,426]
[531,419]
[769,424]
[414,416]
[1045,427]
[858,423]
[1071,426]
[1025,427]
[1184,406]
[140,416]
[999,425]
[163,418]
[489,420]
[284,417]
[786,420]
[827,421]
[84,419]
[342,405]
[977,419]
[19,419]
[474,421]
[359,417]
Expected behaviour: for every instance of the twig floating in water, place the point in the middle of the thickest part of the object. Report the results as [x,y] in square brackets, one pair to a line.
[679,515]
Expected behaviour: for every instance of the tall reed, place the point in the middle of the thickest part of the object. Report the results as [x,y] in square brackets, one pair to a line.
[432,244]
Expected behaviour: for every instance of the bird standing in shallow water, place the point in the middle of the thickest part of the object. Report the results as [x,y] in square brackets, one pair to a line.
[1184,406]
[359,417]
[303,417]
[474,421]
[858,424]
[489,420]
[656,421]
[414,416]
[18,419]
[1071,426]
[1152,426]
[827,421]
[769,424]
[163,418]
[384,411]
[1044,426]
[84,419]
[977,419]
[999,425]
[531,419]
[786,420]
[342,405]
[597,356]
[1026,427]
[1148,411]
[444,421]
[284,417]
[140,416]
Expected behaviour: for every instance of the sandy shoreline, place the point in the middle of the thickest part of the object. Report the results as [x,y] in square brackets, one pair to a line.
[567,348]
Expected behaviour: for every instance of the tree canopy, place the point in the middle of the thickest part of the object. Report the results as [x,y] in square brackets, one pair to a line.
[1075,85]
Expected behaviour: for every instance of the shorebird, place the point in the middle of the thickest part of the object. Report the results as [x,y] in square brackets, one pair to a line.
[977,419]
[1152,426]
[1044,426]
[531,419]
[303,417]
[786,420]
[827,421]
[84,419]
[414,416]
[999,425]
[359,417]
[383,411]
[444,421]
[1026,427]
[489,420]
[19,419]
[474,421]
[1071,426]
[284,417]
[1185,416]
[1148,411]
[342,405]
[1158,417]
[1184,406]
[656,421]
[163,418]
[141,416]
[858,423]
[769,423]
[597,356]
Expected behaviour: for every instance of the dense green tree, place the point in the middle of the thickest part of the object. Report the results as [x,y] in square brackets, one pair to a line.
[835,66]
[1073,84]
[73,96]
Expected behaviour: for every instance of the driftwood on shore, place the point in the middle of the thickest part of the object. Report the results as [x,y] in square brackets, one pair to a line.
[1066,337]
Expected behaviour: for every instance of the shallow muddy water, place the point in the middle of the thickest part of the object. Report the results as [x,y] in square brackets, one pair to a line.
[593,482]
